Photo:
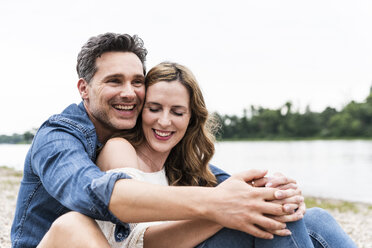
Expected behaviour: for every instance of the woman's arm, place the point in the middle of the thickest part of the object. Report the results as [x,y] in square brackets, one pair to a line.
[181,234]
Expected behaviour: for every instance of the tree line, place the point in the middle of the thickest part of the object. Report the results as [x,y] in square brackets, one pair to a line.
[25,138]
[352,121]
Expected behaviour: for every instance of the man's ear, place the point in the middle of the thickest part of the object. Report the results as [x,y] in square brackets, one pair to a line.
[83,88]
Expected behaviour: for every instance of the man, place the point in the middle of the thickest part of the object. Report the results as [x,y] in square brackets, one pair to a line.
[60,175]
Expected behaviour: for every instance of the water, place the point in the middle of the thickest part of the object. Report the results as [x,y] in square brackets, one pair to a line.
[13,155]
[332,169]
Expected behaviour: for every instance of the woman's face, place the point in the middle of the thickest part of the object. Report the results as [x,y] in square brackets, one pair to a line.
[166,115]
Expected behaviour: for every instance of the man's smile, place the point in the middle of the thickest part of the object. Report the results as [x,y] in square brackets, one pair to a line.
[124,107]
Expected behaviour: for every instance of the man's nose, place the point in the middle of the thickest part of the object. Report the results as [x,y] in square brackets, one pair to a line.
[127,91]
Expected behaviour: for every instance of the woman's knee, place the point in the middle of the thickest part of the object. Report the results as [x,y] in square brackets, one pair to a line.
[70,222]
[317,214]
[324,229]
[318,220]
[228,238]
[74,230]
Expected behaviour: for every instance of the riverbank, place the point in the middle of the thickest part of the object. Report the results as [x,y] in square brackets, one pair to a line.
[355,218]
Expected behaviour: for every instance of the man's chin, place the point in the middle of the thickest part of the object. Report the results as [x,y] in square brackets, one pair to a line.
[125,126]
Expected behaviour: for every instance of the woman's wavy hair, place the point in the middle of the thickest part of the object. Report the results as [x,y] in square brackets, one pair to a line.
[187,163]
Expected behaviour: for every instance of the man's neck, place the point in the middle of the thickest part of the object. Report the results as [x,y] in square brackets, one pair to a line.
[103,132]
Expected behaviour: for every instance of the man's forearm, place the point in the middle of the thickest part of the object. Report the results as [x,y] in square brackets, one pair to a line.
[134,201]
[233,204]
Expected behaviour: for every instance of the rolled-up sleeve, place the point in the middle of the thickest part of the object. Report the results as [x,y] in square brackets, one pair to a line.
[61,160]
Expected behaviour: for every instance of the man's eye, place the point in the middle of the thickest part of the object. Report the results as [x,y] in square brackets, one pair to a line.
[138,83]
[115,81]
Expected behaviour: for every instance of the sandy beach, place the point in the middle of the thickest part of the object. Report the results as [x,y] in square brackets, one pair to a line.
[355,218]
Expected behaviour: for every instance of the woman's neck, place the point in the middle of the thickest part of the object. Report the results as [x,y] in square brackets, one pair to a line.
[150,160]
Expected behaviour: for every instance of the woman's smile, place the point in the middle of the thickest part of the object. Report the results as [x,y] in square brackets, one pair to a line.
[162,135]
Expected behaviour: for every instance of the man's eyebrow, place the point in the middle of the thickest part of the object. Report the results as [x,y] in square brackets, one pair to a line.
[139,76]
[119,75]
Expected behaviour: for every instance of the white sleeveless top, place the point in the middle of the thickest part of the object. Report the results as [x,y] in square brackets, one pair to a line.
[135,238]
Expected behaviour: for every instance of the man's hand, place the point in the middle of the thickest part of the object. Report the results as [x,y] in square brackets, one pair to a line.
[237,205]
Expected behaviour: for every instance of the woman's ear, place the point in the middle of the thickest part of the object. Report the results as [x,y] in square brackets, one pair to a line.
[83,88]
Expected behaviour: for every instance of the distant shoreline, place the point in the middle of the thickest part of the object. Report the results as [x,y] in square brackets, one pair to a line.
[296,139]
[259,139]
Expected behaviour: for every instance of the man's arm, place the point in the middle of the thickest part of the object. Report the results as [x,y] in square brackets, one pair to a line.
[233,204]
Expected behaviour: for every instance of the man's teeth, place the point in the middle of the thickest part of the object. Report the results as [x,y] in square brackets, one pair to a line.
[163,134]
[124,107]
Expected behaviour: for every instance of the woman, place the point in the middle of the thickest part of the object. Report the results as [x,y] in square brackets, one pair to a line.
[172,145]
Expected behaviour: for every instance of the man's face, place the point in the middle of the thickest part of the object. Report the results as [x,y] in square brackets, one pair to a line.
[115,95]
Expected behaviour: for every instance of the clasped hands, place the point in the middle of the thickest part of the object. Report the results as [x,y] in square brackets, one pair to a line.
[289,196]
[258,204]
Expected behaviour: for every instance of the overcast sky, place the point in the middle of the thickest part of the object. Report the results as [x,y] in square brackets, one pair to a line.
[243,53]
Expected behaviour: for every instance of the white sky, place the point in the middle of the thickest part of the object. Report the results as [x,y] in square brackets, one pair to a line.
[243,53]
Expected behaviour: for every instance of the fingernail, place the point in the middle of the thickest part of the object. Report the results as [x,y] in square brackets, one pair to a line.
[288,232]
[287,208]
[268,185]
[279,194]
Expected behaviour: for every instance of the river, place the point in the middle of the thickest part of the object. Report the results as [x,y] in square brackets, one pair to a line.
[333,169]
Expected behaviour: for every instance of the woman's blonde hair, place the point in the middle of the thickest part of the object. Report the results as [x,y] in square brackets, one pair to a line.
[187,163]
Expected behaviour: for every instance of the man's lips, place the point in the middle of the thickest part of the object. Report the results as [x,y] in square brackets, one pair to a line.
[124,107]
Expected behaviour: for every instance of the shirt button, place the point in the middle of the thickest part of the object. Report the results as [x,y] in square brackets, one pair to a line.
[119,236]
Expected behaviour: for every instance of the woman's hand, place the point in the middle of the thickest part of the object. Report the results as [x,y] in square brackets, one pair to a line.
[293,201]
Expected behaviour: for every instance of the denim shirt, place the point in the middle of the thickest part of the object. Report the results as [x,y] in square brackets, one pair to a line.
[60,176]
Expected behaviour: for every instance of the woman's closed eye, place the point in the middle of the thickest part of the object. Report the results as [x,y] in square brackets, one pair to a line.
[178,113]
[154,110]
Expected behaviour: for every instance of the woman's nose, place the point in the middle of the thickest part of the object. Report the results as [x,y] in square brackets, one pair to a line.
[164,120]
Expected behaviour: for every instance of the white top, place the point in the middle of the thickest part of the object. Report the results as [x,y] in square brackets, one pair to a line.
[135,238]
